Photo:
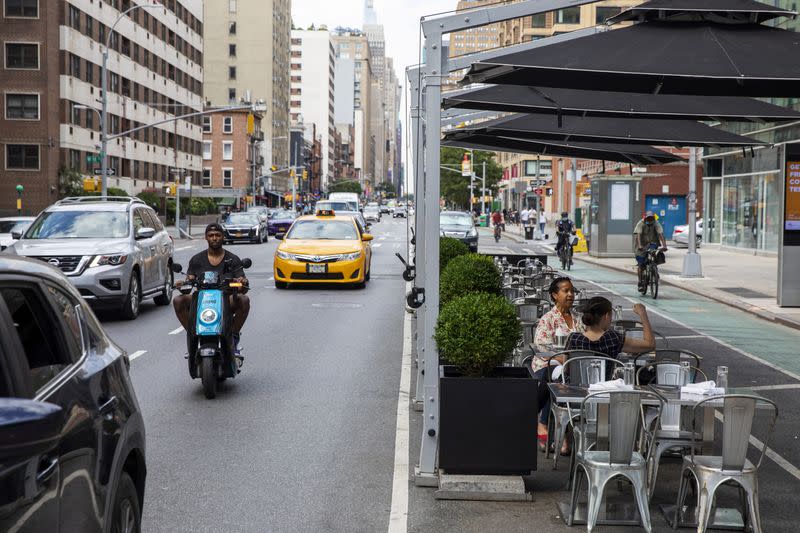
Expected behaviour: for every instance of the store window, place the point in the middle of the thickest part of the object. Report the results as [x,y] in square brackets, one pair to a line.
[751,212]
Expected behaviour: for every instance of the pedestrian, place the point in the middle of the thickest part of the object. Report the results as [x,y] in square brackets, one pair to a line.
[505,217]
[525,216]
[542,223]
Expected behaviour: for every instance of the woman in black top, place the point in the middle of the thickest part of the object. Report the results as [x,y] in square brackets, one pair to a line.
[600,337]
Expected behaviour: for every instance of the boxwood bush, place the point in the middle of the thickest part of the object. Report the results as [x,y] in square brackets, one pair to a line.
[468,273]
[477,332]
[450,248]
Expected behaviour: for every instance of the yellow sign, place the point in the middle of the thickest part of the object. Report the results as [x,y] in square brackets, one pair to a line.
[581,246]
[251,123]
[19,204]
[792,221]
[248,199]
[89,184]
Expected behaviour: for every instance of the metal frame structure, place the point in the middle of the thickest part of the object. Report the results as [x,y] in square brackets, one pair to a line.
[426,127]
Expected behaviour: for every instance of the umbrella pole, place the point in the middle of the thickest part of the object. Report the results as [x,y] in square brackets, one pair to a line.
[692,266]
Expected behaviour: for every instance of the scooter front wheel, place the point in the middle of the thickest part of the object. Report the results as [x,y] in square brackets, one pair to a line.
[208,377]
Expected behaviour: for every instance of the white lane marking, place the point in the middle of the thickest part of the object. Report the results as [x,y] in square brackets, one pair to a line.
[669,337]
[182,248]
[378,245]
[783,463]
[271,278]
[776,387]
[398,517]
[135,355]
[176,331]
[710,337]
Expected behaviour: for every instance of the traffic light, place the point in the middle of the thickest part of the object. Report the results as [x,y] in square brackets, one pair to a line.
[305,175]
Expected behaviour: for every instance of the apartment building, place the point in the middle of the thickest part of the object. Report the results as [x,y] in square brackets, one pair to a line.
[231,158]
[471,40]
[50,84]
[312,91]
[247,57]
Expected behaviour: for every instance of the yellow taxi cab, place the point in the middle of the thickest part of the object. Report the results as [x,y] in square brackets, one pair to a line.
[323,248]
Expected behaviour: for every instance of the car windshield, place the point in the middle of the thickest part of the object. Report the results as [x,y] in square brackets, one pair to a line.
[455,219]
[242,218]
[7,226]
[80,225]
[334,206]
[283,214]
[329,230]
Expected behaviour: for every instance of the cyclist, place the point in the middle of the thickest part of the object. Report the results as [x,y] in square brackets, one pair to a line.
[215,258]
[564,229]
[497,221]
[648,232]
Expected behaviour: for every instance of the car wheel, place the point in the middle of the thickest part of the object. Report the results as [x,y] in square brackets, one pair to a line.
[126,515]
[281,284]
[130,308]
[166,297]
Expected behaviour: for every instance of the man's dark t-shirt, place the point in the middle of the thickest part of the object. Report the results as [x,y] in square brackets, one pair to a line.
[229,267]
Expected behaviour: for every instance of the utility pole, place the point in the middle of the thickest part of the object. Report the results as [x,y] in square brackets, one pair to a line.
[483,191]
[294,181]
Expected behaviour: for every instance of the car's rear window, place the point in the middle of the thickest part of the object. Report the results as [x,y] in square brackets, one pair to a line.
[80,225]
[7,226]
[334,206]
[323,229]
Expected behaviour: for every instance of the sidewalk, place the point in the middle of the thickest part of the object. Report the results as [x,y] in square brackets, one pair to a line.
[744,281]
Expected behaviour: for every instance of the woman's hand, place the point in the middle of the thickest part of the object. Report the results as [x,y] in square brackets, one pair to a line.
[640,310]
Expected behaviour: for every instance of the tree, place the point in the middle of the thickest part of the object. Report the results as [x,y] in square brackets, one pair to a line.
[345,186]
[70,182]
[455,187]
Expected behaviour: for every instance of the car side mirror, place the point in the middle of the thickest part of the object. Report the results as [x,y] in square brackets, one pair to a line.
[367,237]
[145,233]
[177,268]
[16,235]
[247,262]
[280,236]
[28,427]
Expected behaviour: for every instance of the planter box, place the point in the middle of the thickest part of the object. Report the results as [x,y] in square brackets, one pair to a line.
[488,425]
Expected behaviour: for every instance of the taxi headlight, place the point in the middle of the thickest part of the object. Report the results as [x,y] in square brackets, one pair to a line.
[350,257]
[286,255]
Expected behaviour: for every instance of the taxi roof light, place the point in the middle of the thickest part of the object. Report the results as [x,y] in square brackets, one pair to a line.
[325,213]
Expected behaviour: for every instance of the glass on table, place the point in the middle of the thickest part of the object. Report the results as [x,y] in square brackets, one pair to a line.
[722,377]
[629,373]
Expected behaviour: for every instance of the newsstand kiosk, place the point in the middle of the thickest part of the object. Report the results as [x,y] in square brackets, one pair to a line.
[615,208]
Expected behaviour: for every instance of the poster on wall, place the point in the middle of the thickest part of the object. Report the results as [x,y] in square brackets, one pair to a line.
[792,219]
[620,201]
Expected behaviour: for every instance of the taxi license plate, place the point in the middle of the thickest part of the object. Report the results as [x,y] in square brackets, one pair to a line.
[239,234]
[317,269]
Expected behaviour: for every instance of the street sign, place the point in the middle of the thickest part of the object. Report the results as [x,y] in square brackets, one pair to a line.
[109,172]
[93,159]
[173,170]
[538,183]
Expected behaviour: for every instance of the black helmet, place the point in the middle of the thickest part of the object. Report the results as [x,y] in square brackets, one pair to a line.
[564,214]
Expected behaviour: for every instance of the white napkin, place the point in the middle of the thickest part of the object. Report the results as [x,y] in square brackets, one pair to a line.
[614,384]
[704,388]
[557,371]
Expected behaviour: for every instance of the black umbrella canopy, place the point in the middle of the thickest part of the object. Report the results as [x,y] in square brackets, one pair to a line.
[730,11]
[611,129]
[634,154]
[666,57]
[520,99]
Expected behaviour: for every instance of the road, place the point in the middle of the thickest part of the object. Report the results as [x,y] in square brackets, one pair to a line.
[303,439]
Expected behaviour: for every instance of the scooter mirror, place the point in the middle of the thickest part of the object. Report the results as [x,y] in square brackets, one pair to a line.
[177,267]
[246,262]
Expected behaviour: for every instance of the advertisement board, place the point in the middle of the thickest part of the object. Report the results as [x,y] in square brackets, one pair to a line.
[792,213]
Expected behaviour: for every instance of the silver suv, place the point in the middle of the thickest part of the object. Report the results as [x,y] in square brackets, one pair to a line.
[115,252]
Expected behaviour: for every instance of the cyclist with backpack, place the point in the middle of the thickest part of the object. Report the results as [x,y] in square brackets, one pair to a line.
[648,232]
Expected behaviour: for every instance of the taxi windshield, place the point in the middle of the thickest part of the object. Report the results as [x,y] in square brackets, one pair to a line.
[329,230]
[242,218]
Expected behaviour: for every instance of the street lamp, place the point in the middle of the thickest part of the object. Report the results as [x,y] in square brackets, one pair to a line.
[104,114]
[19,188]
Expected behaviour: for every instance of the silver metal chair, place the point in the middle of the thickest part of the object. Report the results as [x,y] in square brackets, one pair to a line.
[621,459]
[531,308]
[670,433]
[671,355]
[561,415]
[710,472]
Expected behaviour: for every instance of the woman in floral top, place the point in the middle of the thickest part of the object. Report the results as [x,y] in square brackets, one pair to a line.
[561,317]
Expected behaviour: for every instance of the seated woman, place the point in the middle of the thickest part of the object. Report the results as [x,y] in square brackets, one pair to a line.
[600,337]
[560,318]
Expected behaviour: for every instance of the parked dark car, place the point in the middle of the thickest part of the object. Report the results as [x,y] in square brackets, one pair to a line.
[72,439]
[245,227]
[280,221]
[459,225]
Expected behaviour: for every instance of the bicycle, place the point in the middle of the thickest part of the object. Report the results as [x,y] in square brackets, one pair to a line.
[497,229]
[650,275]
[566,252]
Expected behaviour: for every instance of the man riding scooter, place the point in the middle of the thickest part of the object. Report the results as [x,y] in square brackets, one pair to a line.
[226,265]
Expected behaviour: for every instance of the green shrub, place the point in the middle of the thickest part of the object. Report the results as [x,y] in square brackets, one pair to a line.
[468,273]
[150,198]
[450,248]
[477,332]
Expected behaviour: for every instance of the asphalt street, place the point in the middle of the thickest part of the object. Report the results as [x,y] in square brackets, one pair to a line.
[303,438]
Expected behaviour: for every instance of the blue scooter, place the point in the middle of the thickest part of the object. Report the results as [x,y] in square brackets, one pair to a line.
[209,339]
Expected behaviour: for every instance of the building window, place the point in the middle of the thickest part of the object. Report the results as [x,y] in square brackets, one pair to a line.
[231,28]
[75,159]
[22,156]
[74,66]
[571,15]
[75,18]
[539,20]
[231,94]
[604,13]
[206,150]
[206,124]
[22,56]
[22,8]
[227,150]
[227,125]
[206,177]
[231,73]
[22,106]
[231,6]
[232,50]
[227,177]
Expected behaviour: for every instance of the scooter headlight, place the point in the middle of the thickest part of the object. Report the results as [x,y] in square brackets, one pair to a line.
[208,316]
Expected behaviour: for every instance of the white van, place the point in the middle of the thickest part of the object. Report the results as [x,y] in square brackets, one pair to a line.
[349,197]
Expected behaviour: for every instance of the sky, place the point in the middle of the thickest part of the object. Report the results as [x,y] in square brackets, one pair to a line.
[400,19]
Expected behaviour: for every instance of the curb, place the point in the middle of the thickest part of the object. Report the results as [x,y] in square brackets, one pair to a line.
[711,295]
